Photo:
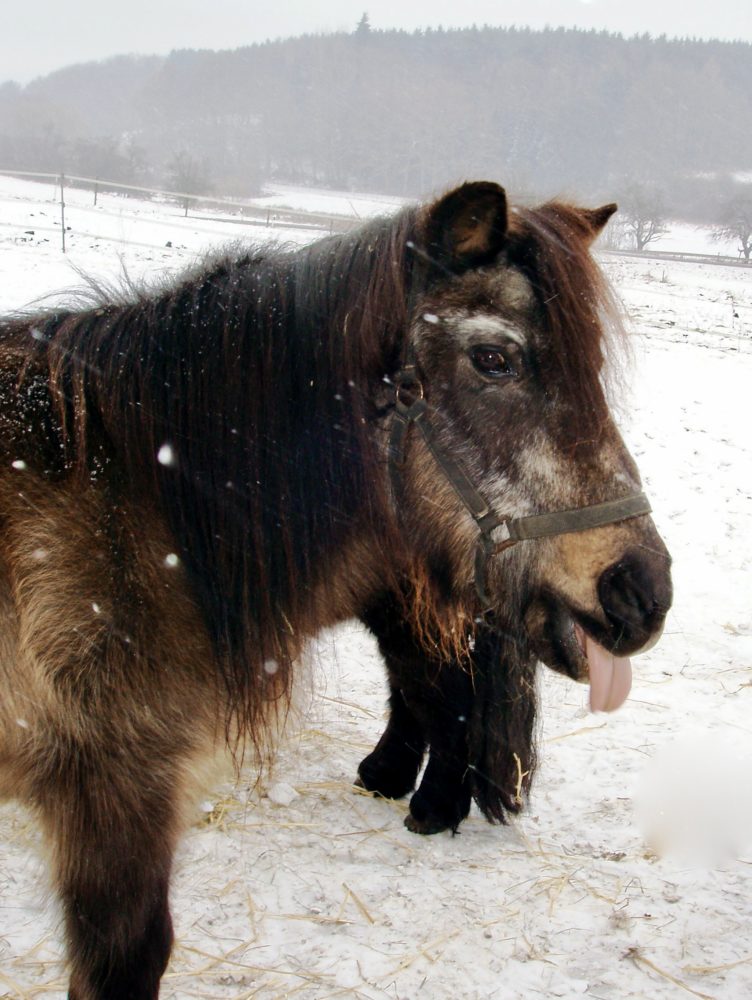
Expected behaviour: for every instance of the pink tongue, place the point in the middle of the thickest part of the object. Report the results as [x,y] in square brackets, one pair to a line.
[610,676]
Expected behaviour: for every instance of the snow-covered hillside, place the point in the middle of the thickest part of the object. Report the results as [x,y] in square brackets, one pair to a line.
[304,888]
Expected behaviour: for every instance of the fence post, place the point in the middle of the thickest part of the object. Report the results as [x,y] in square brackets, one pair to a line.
[62,207]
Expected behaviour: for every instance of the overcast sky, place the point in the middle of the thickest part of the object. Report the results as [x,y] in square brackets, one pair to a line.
[38,36]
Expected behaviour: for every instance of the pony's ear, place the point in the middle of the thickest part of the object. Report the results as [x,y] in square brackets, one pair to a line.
[596,218]
[468,226]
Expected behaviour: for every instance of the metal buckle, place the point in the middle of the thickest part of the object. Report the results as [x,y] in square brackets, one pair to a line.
[502,538]
[408,389]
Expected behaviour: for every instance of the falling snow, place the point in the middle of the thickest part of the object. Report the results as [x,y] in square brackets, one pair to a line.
[166,455]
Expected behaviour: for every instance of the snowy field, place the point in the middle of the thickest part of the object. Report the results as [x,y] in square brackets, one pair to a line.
[630,875]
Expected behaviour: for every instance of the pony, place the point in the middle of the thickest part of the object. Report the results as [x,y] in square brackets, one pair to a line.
[405,423]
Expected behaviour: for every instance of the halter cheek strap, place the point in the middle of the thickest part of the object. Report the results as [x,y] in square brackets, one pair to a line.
[496,532]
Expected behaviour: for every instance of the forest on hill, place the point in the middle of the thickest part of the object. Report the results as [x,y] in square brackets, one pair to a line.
[583,113]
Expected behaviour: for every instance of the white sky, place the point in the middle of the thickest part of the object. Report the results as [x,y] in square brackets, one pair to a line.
[37,36]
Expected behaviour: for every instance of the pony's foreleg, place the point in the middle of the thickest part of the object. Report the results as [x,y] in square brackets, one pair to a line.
[112,839]
[392,768]
[443,799]
[430,704]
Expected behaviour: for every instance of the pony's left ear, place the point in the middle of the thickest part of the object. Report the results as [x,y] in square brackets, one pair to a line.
[596,218]
[467,227]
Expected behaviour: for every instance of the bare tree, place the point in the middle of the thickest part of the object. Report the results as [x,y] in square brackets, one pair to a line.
[188,176]
[644,215]
[736,224]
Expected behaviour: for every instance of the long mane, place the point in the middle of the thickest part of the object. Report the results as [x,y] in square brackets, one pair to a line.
[242,399]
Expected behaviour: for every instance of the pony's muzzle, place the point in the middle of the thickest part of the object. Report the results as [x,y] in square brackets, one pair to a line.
[635,594]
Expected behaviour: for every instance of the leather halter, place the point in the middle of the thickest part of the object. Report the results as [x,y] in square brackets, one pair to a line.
[497,531]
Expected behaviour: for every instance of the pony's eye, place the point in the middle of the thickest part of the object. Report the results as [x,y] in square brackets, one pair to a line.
[491,361]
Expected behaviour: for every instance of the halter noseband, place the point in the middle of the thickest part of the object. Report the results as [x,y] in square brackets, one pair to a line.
[497,532]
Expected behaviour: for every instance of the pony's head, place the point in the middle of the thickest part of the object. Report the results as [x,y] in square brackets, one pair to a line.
[504,372]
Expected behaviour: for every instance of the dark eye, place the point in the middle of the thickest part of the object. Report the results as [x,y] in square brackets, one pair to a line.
[491,361]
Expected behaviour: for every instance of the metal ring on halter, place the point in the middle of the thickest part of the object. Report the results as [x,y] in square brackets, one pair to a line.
[406,382]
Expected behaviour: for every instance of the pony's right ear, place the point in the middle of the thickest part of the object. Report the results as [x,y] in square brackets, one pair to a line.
[467,227]
[596,218]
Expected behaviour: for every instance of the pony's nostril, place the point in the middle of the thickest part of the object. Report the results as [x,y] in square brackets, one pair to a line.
[634,598]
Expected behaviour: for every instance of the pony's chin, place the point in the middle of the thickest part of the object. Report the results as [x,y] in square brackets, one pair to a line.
[564,644]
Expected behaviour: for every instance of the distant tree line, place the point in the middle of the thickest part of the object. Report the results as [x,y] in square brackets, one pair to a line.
[582,113]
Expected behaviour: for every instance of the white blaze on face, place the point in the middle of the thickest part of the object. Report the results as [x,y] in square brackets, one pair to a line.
[544,473]
[482,328]
[547,472]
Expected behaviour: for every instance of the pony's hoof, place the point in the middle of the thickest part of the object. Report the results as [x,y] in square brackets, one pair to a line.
[431,814]
[425,826]
[386,782]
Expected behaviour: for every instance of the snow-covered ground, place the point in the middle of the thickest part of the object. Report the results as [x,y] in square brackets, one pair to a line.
[304,888]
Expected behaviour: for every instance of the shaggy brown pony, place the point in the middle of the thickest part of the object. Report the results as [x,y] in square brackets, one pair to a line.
[194,481]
